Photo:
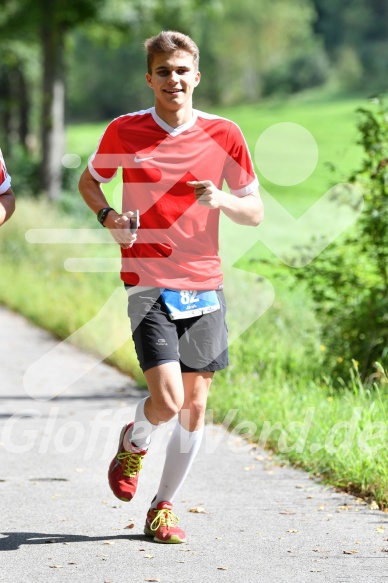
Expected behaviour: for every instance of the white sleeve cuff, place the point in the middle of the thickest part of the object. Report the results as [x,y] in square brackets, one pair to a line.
[250,189]
[95,174]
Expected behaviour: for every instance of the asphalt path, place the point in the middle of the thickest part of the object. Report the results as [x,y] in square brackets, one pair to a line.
[248,518]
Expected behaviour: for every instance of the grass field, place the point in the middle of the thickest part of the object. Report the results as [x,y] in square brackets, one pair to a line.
[276,384]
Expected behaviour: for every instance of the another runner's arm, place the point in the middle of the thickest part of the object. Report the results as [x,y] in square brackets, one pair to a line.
[244,210]
[118,224]
[7,205]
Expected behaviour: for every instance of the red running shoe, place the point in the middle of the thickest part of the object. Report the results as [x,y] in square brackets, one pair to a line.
[160,524]
[123,474]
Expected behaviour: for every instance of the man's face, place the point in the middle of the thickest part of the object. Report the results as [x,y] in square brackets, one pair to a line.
[173,79]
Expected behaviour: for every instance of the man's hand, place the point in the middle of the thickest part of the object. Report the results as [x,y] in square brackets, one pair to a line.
[243,210]
[207,194]
[120,228]
[118,225]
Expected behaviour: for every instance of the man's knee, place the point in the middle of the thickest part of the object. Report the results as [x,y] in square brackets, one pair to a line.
[167,409]
[194,411]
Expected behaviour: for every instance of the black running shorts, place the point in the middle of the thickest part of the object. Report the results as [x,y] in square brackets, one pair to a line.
[199,344]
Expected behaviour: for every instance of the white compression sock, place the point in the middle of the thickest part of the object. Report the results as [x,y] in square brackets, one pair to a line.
[181,450]
[139,435]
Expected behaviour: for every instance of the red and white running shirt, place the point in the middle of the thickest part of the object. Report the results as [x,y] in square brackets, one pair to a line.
[5,179]
[177,243]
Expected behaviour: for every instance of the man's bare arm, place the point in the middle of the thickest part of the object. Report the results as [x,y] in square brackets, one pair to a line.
[245,210]
[118,224]
[7,205]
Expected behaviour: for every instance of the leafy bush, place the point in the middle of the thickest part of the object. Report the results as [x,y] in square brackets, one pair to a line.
[349,281]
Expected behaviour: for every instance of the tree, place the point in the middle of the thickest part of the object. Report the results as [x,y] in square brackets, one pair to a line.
[356,31]
[250,42]
[15,94]
[48,24]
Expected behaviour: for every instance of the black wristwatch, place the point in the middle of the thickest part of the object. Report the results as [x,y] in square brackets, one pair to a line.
[102,214]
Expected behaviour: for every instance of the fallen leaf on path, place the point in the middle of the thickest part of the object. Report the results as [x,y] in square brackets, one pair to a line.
[148,556]
[151,579]
[222,568]
[351,552]
[292,530]
[287,512]
[56,566]
[108,542]
[373,505]
[380,529]
[198,510]
[249,468]
[345,507]
[130,526]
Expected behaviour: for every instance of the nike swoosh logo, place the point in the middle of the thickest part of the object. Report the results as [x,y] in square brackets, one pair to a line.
[137,160]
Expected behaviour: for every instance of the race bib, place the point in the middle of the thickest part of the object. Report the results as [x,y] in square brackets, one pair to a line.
[189,303]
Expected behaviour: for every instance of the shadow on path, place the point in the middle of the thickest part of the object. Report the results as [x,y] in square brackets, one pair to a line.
[12,541]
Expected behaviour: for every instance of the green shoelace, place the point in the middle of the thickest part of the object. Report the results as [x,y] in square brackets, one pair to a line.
[164,517]
[132,463]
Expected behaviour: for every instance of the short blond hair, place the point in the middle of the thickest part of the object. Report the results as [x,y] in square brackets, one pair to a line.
[169,41]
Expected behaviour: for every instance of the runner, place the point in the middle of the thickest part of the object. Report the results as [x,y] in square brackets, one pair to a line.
[7,198]
[174,161]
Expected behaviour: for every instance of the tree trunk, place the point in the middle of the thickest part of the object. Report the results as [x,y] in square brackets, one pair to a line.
[23,106]
[53,111]
[5,95]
